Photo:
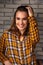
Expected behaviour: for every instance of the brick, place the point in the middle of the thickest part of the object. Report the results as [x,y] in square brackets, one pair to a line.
[40,23]
[1,5]
[0,63]
[41,32]
[1,30]
[40,27]
[40,45]
[8,1]
[1,34]
[14,10]
[8,22]
[12,5]
[41,6]
[34,6]
[40,53]
[38,10]
[21,1]
[1,14]
[6,10]
[41,35]
[39,49]
[40,19]
[40,15]
[1,26]
[40,1]
[1,22]
[41,40]
[35,14]
[33,2]
[9,14]
[11,18]
[2,1]
[4,18]
[39,57]
[6,27]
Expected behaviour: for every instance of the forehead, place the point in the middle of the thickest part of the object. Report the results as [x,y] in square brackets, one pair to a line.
[21,14]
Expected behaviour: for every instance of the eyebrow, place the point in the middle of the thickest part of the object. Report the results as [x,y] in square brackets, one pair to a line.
[22,18]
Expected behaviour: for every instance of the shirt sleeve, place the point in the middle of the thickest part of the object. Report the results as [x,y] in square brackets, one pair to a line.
[33,30]
[2,48]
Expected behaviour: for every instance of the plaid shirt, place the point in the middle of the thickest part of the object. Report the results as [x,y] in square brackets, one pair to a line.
[20,52]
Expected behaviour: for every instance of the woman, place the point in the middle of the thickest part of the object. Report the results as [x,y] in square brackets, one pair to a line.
[18,43]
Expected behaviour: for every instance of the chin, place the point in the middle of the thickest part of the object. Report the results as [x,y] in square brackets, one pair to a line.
[21,29]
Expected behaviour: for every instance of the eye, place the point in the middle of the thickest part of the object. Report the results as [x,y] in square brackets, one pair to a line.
[18,18]
[24,18]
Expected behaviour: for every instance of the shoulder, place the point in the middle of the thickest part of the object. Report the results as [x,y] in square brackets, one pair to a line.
[5,33]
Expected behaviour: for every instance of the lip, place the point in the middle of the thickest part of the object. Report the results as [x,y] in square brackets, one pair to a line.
[21,26]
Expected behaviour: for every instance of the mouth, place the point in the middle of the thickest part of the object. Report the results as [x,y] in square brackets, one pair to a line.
[21,26]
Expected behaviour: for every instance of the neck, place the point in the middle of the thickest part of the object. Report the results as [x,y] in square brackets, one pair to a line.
[22,32]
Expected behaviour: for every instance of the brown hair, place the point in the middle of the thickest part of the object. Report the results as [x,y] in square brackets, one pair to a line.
[13,27]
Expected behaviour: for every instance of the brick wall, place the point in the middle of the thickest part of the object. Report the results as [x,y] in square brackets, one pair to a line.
[7,9]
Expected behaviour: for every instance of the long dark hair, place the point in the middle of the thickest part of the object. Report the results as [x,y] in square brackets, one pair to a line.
[13,27]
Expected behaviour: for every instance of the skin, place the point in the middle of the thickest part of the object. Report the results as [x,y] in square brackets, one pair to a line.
[21,21]
[22,25]
[30,12]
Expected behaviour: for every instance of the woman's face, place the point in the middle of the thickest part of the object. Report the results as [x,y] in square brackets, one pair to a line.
[21,20]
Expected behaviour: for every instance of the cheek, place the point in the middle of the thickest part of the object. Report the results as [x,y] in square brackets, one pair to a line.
[17,22]
[25,23]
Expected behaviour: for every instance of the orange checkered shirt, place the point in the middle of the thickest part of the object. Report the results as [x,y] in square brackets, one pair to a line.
[20,52]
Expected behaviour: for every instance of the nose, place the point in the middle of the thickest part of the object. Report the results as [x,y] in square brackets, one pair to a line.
[21,21]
